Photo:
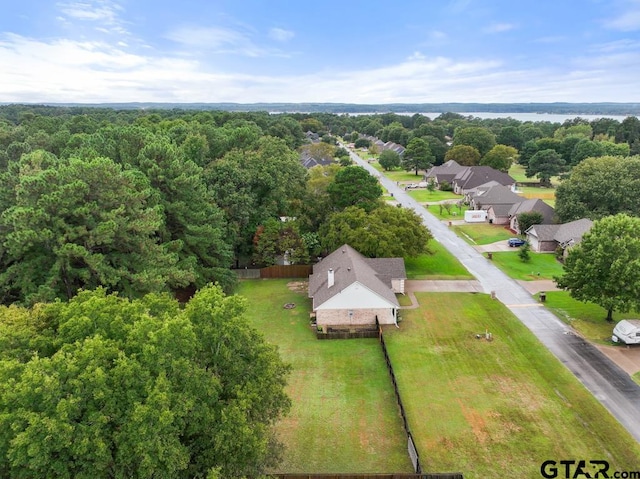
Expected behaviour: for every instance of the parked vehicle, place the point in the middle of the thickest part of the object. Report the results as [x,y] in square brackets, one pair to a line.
[514,242]
[627,331]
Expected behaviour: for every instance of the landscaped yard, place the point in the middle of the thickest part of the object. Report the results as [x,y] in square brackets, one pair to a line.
[482,233]
[344,416]
[586,318]
[423,195]
[494,409]
[440,264]
[540,265]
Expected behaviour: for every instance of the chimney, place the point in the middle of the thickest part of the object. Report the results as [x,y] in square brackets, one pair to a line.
[330,278]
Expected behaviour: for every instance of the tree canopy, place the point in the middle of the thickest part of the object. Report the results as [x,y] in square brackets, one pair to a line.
[599,187]
[386,231]
[417,156]
[604,268]
[354,186]
[137,388]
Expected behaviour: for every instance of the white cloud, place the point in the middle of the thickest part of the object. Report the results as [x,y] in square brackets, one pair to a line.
[103,11]
[628,21]
[280,34]
[71,71]
[498,28]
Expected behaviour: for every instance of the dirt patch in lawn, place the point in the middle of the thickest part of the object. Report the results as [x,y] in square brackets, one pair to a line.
[476,421]
[298,286]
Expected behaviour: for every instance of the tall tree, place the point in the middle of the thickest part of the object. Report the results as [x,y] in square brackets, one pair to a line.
[599,187]
[138,388]
[82,224]
[545,164]
[389,160]
[417,156]
[604,268]
[354,186]
[464,155]
[500,157]
[480,138]
[386,231]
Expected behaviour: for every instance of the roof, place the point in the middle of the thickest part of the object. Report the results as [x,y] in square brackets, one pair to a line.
[499,210]
[543,232]
[477,175]
[446,171]
[572,232]
[496,195]
[349,266]
[534,204]
[309,161]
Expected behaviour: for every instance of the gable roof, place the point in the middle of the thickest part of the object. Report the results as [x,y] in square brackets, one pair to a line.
[446,171]
[543,232]
[496,195]
[534,204]
[572,232]
[477,175]
[349,266]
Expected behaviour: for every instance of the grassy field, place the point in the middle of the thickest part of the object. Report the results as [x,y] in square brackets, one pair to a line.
[425,196]
[540,266]
[494,409]
[344,416]
[439,265]
[586,318]
[482,233]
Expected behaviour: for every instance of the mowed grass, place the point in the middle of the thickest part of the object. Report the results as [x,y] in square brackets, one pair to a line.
[494,409]
[588,319]
[539,266]
[438,264]
[482,233]
[423,195]
[344,417]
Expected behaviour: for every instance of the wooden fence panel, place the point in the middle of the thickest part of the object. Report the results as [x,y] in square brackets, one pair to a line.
[288,271]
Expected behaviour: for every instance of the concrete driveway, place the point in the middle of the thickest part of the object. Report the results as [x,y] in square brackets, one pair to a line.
[494,247]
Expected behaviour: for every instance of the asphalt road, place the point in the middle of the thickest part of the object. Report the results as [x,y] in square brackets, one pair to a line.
[613,387]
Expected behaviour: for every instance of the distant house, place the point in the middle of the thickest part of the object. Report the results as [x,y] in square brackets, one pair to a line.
[350,290]
[466,178]
[529,206]
[548,237]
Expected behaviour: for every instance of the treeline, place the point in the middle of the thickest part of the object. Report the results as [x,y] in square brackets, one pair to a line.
[141,201]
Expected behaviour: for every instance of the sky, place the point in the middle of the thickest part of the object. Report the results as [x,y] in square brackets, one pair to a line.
[347,51]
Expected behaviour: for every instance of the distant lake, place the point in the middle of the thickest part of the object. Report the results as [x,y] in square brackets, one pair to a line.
[550,117]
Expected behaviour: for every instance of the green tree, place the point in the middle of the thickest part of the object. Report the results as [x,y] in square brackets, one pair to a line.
[463,155]
[545,164]
[354,186]
[500,157]
[417,156]
[528,219]
[278,239]
[604,268]
[389,160]
[525,253]
[82,224]
[586,149]
[480,138]
[599,187]
[510,136]
[386,231]
[139,388]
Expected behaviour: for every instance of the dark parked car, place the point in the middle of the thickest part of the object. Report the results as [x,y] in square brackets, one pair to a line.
[514,242]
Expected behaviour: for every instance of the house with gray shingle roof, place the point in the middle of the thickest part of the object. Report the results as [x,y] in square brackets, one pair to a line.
[528,206]
[350,290]
[549,237]
[445,172]
[475,176]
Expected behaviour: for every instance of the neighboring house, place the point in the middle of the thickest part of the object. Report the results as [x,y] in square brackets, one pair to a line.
[445,172]
[475,176]
[528,206]
[312,137]
[547,238]
[309,161]
[495,195]
[350,290]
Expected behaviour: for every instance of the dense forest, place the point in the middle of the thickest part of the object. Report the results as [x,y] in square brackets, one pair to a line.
[141,201]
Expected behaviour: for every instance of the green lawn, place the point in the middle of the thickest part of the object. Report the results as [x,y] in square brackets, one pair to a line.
[482,233]
[425,196]
[586,318]
[440,264]
[399,174]
[494,409]
[540,266]
[344,416]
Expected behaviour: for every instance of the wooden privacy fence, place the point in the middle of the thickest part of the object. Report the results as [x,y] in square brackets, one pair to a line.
[288,271]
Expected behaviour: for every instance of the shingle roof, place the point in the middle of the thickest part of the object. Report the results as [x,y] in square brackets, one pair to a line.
[496,195]
[478,175]
[446,171]
[349,266]
[534,204]
[543,232]
[573,231]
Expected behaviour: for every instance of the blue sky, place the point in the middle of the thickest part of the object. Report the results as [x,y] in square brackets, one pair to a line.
[349,51]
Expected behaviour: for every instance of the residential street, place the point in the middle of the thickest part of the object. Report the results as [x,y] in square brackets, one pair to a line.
[609,383]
